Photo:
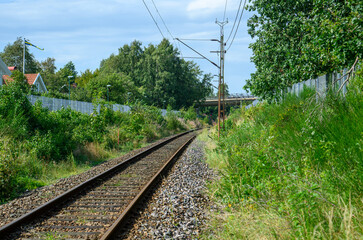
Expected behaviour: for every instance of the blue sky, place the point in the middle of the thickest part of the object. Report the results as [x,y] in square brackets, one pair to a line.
[87,31]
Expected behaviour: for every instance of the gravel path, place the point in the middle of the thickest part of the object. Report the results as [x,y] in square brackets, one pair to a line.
[37,197]
[178,209]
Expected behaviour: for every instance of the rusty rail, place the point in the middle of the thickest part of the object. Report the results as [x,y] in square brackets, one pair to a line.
[25,219]
[113,230]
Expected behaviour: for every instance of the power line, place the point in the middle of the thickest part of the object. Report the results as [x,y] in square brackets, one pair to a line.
[235,20]
[198,53]
[225,9]
[153,18]
[193,57]
[162,19]
[235,33]
[166,26]
[196,39]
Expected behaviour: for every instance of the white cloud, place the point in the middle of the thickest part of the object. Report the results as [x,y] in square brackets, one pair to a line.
[204,7]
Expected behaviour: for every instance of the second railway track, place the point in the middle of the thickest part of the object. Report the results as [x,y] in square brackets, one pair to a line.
[96,208]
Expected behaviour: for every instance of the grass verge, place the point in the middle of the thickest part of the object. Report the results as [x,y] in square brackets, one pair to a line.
[291,170]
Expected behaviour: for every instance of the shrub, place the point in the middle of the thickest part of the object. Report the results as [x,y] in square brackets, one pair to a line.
[35,141]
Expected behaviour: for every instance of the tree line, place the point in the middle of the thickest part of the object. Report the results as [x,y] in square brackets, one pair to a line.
[153,75]
[298,40]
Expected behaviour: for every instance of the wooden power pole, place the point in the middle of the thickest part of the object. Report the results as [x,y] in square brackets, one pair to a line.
[221,85]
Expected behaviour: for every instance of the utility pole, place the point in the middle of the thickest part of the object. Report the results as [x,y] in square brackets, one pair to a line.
[221,86]
[24,57]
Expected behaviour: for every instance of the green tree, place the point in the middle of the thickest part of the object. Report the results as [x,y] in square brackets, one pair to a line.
[121,90]
[160,76]
[60,80]
[13,56]
[334,36]
[47,66]
[168,79]
[85,77]
[47,70]
[68,70]
[298,40]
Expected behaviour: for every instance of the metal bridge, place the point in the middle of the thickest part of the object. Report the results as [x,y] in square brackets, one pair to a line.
[235,99]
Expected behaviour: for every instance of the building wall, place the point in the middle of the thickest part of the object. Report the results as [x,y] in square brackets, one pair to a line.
[39,87]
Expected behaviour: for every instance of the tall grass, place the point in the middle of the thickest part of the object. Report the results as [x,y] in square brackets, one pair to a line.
[295,168]
[38,146]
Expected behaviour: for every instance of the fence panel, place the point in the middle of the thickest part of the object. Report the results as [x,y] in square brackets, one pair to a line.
[55,104]
[321,84]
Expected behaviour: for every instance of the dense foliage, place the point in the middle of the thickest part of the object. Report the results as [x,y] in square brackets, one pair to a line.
[298,40]
[293,170]
[153,75]
[160,76]
[37,146]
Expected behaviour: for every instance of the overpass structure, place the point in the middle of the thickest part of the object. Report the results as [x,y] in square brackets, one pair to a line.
[229,100]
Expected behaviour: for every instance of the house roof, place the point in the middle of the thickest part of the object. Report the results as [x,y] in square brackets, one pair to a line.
[30,77]
[12,68]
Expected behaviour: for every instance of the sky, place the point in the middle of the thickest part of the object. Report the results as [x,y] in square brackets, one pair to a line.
[87,31]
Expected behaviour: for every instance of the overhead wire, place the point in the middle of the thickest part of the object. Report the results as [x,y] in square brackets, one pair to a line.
[195,39]
[162,19]
[167,29]
[235,33]
[225,9]
[153,18]
[235,20]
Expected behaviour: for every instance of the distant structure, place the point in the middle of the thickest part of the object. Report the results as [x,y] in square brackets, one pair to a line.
[3,70]
[235,99]
[34,80]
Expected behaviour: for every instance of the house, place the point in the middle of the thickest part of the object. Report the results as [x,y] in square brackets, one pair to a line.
[33,79]
[3,70]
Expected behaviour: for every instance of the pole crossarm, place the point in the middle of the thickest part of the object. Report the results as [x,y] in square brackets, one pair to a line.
[198,53]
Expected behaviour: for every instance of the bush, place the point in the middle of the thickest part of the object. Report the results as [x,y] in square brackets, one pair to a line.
[35,141]
[189,114]
[172,121]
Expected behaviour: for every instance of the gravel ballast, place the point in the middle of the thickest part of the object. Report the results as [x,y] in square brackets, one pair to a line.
[178,209]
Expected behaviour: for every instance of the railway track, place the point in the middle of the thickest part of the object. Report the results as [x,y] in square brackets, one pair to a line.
[99,207]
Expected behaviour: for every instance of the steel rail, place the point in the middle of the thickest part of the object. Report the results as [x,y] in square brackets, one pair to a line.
[113,230]
[35,213]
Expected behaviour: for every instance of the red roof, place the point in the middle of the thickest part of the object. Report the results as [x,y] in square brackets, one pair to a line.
[31,77]
[12,68]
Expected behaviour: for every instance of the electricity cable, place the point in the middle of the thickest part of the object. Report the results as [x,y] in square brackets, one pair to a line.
[162,19]
[153,18]
[235,33]
[225,9]
[166,27]
[196,39]
[235,20]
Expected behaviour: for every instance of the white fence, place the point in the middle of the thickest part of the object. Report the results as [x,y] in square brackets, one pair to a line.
[320,84]
[55,104]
